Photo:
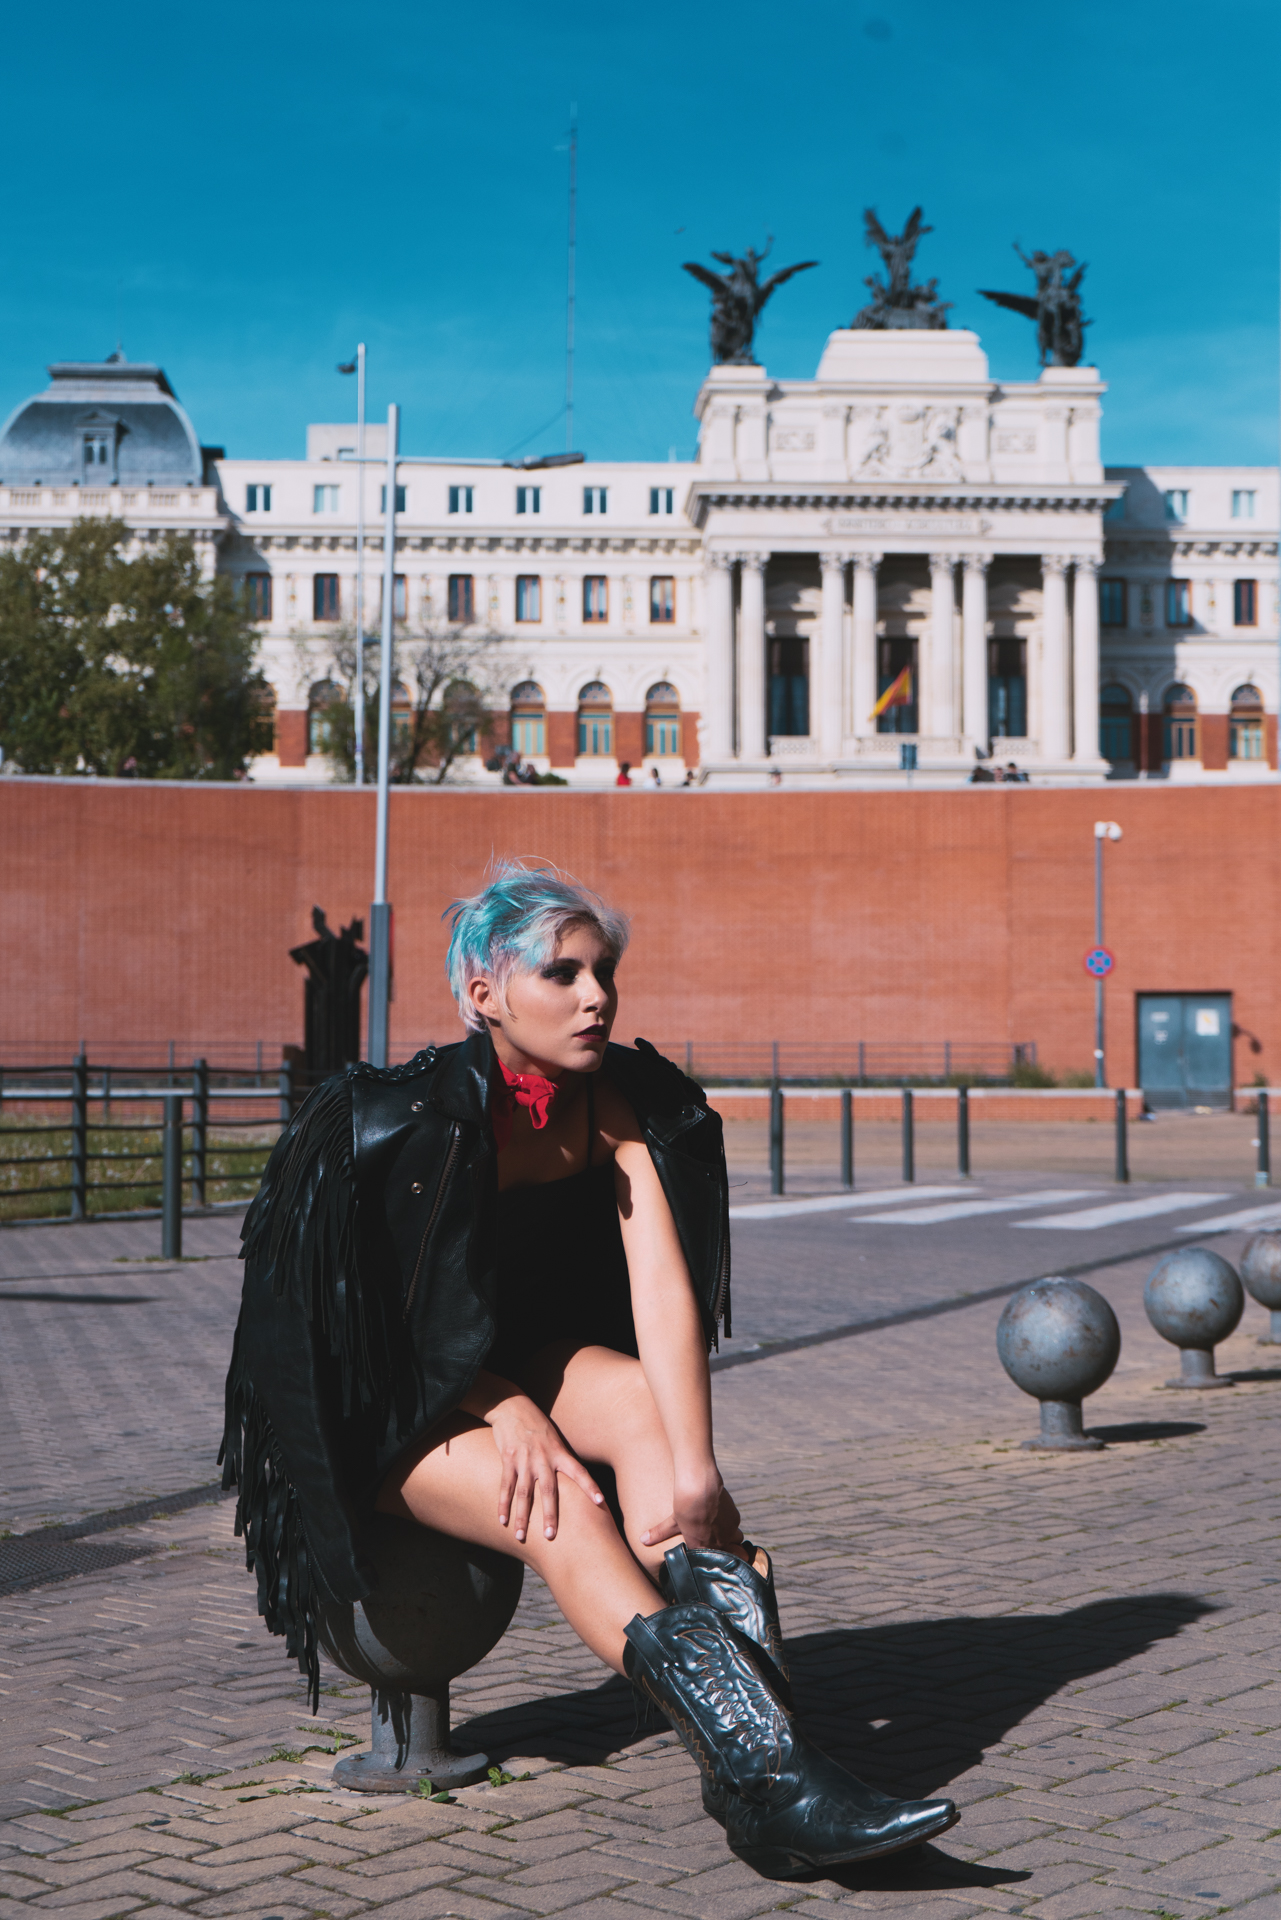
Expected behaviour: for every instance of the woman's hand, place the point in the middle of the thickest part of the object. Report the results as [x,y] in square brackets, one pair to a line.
[533,1452]
[703,1514]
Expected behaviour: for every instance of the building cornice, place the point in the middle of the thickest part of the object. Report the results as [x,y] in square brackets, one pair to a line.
[1020,497]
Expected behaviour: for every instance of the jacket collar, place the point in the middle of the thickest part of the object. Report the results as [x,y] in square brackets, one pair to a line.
[462,1080]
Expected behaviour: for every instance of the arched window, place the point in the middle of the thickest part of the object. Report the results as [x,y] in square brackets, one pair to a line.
[1116,723]
[596,720]
[463,709]
[322,704]
[1245,725]
[1179,709]
[663,720]
[529,719]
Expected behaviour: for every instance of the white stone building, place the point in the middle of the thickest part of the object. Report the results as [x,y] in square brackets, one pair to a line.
[741,614]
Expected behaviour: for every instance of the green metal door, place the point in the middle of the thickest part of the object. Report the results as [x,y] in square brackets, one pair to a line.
[1185,1049]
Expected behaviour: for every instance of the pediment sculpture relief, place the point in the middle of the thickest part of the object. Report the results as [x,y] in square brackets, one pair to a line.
[905,442]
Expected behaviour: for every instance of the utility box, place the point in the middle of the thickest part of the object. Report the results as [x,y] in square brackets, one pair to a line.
[1185,1049]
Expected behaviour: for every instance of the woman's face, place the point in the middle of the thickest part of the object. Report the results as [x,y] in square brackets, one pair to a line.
[557,1017]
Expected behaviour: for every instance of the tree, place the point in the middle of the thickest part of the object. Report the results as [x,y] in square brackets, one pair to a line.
[116,662]
[448,711]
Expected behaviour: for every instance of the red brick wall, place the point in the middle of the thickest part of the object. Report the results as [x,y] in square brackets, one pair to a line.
[291,736]
[138,911]
[1213,742]
[562,739]
[629,737]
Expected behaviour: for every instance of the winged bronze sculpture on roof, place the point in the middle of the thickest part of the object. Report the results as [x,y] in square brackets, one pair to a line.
[737,299]
[896,304]
[1056,308]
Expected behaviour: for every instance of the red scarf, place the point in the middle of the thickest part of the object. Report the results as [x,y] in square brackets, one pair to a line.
[529,1090]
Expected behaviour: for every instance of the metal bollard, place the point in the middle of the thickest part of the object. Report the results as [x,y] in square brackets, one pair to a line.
[1263,1165]
[80,1138]
[199,1130]
[1059,1340]
[1122,1141]
[1194,1299]
[286,1084]
[963,1132]
[909,1140]
[106,1096]
[776,1138]
[1261,1278]
[847,1140]
[171,1180]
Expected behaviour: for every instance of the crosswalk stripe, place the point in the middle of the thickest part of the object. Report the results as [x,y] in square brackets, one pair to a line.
[1221,1222]
[833,1202]
[1120,1210]
[970,1209]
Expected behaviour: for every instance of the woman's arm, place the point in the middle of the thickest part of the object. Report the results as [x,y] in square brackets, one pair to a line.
[669,1337]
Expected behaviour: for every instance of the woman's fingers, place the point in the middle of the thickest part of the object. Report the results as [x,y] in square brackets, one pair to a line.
[665,1530]
[522,1505]
[573,1469]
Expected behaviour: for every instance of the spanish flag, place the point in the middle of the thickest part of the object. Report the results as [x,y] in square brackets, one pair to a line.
[897,694]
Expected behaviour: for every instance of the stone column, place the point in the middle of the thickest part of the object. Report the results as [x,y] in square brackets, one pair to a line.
[1085,659]
[827,688]
[1054,658]
[752,743]
[938,714]
[717,724]
[863,674]
[974,722]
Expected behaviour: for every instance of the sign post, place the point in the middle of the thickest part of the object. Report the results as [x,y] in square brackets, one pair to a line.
[1098,961]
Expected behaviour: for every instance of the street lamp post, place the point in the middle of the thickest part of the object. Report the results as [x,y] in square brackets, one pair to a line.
[1103,830]
[357,366]
[380,912]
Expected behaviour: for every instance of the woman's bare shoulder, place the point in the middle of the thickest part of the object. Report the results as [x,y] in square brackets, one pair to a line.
[615,1117]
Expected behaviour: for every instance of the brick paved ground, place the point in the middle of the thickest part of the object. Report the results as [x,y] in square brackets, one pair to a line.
[1083,1651]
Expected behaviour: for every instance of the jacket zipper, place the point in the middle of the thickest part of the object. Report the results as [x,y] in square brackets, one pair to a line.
[456,1141]
[722,1279]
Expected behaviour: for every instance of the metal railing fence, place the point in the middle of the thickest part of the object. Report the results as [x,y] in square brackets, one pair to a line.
[862,1063]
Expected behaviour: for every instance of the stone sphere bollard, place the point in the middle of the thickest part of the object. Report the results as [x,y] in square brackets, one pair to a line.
[1059,1340]
[439,1606]
[1261,1273]
[1194,1299]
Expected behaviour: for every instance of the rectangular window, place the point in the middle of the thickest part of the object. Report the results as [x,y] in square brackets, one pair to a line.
[324,596]
[662,600]
[662,737]
[324,499]
[1246,739]
[1242,504]
[460,499]
[529,499]
[1112,603]
[258,595]
[98,452]
[596,734]
[1178,603]
[382,499]
[1176,503]
[399,599]
[1245,603]
[595,499]
[462,603]
[258,498]
[529,597]
[529,734]
[662,499]
[595,598]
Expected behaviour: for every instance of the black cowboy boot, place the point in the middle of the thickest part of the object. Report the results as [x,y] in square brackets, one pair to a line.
[791,1812]
[742,1590]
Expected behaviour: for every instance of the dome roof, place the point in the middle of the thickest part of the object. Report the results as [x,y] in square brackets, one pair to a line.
[101,423]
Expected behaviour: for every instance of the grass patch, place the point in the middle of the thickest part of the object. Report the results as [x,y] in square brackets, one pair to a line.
[120,1158]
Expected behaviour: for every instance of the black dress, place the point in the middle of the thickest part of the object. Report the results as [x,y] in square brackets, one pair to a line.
[562,1271]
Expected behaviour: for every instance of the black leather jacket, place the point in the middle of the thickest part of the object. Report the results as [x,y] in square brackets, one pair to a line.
[370,1281]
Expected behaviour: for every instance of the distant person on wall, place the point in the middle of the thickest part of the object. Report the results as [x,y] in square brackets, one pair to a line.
[554,1318]
[1015,773]
[654,781]
[624,774]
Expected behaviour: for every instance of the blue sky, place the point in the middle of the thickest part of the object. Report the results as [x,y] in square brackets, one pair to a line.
[242,196]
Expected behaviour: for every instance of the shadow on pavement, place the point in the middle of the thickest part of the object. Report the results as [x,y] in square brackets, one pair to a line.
[1147,1430]
[910,1707]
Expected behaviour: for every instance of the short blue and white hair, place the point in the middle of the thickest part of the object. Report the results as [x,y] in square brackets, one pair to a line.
[516,924]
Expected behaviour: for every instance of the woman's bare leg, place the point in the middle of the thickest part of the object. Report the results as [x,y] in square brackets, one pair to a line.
[602,1404]
[452,1484]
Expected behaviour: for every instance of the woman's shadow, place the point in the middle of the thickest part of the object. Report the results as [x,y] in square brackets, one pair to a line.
[910,1707]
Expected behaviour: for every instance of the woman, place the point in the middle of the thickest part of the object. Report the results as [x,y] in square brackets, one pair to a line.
[469,1279]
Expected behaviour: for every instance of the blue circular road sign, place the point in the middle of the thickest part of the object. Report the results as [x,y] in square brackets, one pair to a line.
[1099,962]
